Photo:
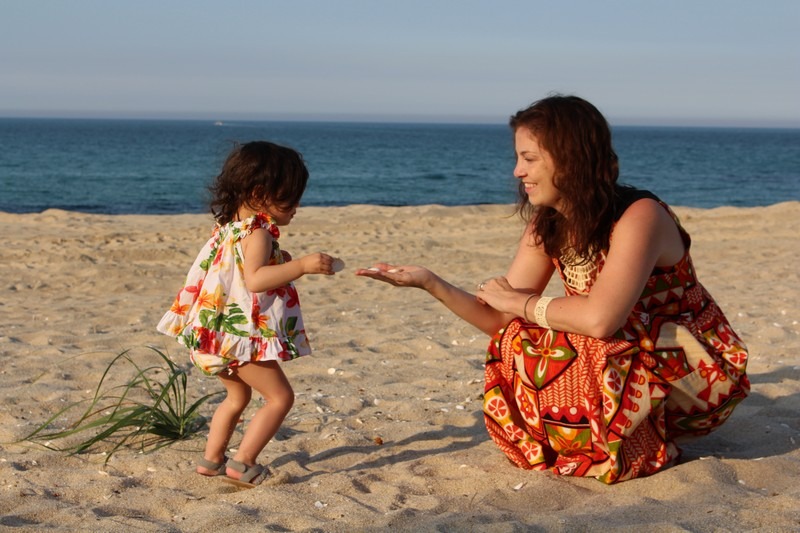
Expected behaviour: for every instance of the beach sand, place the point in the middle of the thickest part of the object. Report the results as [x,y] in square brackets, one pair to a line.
[387,430]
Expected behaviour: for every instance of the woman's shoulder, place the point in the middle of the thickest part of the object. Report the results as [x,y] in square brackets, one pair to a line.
[640,207]
[646,214]
[628,196]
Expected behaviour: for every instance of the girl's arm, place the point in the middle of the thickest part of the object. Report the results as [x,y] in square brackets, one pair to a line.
[530,271]
[644,237]
[260,276]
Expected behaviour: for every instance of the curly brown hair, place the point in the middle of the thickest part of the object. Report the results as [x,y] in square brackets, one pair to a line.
[578,138]
[257,173]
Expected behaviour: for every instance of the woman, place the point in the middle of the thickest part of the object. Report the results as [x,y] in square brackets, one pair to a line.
[599,382]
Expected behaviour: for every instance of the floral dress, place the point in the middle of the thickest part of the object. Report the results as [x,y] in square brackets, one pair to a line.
[611,408]
[222,323]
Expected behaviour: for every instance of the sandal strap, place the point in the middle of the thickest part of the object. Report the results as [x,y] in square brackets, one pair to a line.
[255,475]
[236,465]
[250,474]
[211,465]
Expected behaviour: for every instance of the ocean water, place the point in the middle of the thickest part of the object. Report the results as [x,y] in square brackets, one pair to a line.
[151,166]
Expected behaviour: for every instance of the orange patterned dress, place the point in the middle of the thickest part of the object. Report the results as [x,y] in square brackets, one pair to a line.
[611,408]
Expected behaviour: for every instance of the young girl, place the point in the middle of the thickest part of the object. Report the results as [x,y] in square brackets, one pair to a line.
[238,312]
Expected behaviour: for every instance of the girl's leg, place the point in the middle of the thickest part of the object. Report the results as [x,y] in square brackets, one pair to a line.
[225,419]
[269,380]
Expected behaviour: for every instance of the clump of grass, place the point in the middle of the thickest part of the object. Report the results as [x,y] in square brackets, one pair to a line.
[151,409]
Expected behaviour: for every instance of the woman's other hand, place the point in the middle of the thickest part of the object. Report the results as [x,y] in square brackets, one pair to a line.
[499,294]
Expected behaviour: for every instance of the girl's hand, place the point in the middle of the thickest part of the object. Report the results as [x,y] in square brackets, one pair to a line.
[319,263]
[399,276]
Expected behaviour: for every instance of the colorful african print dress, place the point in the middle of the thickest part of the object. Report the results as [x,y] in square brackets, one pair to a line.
[220,321]
[611,408]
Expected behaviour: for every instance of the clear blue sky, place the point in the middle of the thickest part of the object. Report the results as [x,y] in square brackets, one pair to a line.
[702,62]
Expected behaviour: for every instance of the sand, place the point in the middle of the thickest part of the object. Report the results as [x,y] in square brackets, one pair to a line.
[390,366]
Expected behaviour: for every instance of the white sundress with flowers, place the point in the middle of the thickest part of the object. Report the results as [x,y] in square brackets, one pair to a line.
[222,323]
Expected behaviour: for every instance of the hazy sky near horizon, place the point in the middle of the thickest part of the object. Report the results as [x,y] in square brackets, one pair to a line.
[706,62]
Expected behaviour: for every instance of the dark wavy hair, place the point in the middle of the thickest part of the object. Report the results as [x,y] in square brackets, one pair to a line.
[578,138]
[254,174]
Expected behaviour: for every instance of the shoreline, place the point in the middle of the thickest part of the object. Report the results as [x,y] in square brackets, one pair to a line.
[360,206]
[389,365]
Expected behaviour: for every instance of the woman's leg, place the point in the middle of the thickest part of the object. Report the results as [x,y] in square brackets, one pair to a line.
[269,380]
[225,419]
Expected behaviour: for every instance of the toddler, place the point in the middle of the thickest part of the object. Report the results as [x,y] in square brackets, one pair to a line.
[238,312]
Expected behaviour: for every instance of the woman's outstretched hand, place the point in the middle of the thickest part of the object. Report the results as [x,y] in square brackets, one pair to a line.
[462,303]
[400,276]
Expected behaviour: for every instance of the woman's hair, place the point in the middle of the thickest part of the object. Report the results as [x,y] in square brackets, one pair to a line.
[257,173]
[578,138]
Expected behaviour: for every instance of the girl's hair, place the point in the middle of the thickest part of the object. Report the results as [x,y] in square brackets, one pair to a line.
[257,173]
[578,138]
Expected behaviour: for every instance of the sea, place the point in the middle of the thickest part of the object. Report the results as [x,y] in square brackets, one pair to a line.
[165,166]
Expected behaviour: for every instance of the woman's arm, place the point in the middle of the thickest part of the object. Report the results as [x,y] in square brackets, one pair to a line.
[530,271]
[645,236]
[459,301]
[260,276]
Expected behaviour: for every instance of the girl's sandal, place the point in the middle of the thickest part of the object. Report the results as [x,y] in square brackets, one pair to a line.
[252,476]
[218,469]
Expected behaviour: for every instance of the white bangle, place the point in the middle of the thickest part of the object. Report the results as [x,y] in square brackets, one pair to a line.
[540,311]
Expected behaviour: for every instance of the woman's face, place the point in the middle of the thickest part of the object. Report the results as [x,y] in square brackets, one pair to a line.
[535,168]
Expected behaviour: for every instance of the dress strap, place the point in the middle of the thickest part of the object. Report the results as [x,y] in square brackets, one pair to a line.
[257,221]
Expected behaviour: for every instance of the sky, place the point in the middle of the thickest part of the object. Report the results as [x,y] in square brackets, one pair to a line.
[681,62]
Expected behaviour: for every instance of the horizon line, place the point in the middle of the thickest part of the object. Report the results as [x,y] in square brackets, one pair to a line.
[410,118]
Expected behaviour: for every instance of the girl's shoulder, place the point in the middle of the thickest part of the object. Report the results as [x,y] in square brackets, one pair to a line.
[243,228]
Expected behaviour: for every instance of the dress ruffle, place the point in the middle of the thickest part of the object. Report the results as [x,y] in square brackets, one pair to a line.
[235,347]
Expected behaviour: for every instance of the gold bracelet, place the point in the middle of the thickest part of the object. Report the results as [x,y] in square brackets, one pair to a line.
[540,311]
[525,307]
